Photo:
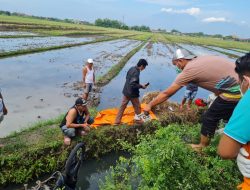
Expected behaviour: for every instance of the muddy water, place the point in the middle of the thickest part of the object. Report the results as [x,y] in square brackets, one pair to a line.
[160,73]
[15,44]
[17,33]
[93,171]
[39,86]
[199,50]
[228,51]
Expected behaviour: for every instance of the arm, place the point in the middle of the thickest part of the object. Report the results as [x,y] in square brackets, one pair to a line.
[94,77]
[163,96]
[87,115]
[70,119]
[228,148]
[5,111]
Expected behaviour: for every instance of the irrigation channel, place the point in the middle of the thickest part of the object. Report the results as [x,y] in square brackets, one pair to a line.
[91,172]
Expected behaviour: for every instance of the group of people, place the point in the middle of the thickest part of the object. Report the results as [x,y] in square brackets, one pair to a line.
[77,120]
[230,83]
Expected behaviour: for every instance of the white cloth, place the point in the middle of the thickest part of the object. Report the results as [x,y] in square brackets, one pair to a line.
[89,78]
[243,163]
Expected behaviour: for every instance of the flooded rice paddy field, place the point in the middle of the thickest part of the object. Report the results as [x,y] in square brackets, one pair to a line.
[160,73]
[16,33]
[228,51]
[39,86]
[15,44]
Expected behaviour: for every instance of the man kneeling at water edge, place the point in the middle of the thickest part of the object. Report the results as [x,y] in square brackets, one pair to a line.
[76,121]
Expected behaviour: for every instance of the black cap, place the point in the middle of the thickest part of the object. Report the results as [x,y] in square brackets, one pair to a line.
[80,101]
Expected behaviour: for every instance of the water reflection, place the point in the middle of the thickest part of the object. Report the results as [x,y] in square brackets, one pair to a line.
[160,73]
[92,171]
[15,44]
[39,86]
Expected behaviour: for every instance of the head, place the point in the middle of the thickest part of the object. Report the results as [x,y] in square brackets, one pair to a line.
[181,58]
[242,68]
[142,63]
[89,62]
[80,104]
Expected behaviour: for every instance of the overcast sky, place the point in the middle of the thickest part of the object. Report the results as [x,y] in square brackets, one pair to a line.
[226,17]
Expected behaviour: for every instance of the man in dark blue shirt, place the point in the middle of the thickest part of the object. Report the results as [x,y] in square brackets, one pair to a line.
[131,90]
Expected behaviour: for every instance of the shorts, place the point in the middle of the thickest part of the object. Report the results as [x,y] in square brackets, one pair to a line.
[220,109]
[190,94]
[88,88]
[71,132]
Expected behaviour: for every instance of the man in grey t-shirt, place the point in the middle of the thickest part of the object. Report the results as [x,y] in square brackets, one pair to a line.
[212,73]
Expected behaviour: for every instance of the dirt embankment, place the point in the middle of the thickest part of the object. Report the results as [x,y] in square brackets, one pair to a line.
[169,112]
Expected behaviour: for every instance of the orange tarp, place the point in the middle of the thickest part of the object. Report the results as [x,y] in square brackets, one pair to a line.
[107,117]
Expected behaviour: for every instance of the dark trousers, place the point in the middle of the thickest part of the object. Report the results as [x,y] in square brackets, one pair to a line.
[220,109]
[125,100]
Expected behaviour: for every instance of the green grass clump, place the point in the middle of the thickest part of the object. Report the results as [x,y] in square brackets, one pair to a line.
[165,161]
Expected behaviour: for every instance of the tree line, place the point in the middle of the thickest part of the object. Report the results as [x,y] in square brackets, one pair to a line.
[120,25]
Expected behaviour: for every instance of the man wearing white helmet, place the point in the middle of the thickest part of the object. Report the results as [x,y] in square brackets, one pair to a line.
[213,73]
[88,74]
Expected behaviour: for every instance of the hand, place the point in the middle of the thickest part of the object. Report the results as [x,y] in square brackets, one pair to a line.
[147,109]
[243,163]
[86,128]
[84,85]
[5,111]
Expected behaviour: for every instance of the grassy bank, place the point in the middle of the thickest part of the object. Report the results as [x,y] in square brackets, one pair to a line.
[55,28]
[29,51]
[114,71]
[165,161]
[227,44]
[40,150]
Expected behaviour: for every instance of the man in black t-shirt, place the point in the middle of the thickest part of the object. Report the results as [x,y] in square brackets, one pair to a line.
[77,120]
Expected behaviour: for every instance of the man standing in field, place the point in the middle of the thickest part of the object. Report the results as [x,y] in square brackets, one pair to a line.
[88,74]
[213,73]
[131,91]
[190,93]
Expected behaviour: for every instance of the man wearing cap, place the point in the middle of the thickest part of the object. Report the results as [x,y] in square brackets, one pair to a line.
[77,120]
[88,74]
[131,91]
[213,73]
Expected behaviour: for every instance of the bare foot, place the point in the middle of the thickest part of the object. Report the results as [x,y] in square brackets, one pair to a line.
[181,107]
[1,145]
